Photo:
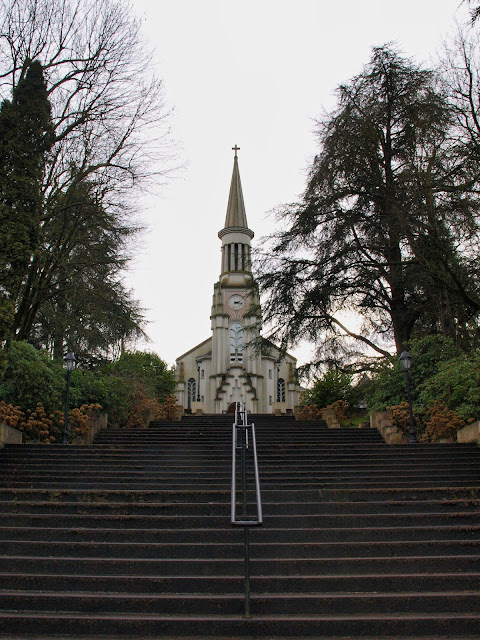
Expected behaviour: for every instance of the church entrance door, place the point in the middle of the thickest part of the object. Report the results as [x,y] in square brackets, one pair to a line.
[231,408]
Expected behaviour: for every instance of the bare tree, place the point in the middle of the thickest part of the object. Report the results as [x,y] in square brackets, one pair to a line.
[109,118]
[106,100]
[475,11]
[461,71]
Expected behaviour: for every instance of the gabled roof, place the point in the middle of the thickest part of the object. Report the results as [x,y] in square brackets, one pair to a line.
[198,346]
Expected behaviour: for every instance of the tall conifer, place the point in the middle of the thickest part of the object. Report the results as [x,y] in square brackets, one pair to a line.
[26,134]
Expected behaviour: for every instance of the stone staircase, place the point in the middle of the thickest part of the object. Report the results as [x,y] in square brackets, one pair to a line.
[130,537]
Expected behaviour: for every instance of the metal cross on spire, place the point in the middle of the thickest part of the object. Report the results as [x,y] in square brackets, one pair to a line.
[235,148]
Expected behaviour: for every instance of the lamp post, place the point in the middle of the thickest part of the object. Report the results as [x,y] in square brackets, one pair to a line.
[406,360]
[69,363]
[199,364]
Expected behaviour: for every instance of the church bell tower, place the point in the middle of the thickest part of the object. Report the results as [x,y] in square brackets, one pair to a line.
[229,366]
[235,312]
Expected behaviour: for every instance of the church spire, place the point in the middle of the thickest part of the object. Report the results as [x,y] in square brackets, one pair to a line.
[236,216]
[236,270]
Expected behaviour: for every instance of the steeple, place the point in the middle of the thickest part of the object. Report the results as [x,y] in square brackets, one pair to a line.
[235,236]
[236,216]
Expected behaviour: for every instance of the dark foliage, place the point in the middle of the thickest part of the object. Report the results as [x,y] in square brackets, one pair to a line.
[386,227]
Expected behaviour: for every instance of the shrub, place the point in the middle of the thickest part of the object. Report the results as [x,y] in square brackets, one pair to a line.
[142,409]
[309,412]
[141,382]
[10,415]
[340,408]
[332,386]
[168,408]
[442,423]
[78,421]
[147,370]
[456,383]
[32,377]
[39,426]
[388,385]
[131,390]
[99,387]
[401,418]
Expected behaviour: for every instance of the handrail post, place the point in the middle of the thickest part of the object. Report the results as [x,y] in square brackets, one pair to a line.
[241,440]
[246,539]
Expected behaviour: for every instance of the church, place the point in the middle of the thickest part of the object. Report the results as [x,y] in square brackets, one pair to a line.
[233,364]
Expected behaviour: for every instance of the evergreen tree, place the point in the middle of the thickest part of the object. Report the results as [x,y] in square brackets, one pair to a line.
[26,135]
[381,226]
[73,293]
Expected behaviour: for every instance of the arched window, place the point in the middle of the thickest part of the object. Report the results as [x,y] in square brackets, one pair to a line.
[280,390]
[236,342]
[191,392]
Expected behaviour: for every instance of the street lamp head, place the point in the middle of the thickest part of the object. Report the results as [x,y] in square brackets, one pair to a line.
[69,361]
[406,360]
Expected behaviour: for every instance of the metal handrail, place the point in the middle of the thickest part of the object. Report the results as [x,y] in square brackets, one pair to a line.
[244,439]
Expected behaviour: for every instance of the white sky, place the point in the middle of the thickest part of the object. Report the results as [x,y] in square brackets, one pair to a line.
[254,73]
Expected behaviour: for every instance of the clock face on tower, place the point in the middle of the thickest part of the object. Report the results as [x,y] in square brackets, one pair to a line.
[236,301]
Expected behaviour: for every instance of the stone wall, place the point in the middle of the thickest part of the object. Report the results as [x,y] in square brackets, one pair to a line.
[198,408]
[96,421]
[300,415]
[331,419]
[9,435]
[279,408]
[382,421]
[470,433]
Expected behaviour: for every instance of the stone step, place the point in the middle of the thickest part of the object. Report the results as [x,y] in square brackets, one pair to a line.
[262,535]
[276,637]
[204,548]
[147,521]
[190,583]
[308,500]
[198,461]
[212,483]
[447,625]
[234,567]
[210,473]
[232,604]
[220,431]
[375,449]
[132,538]
[95,502]
[222,485]
[299,441]
[273,467]
[198,458]
[269,466]
[186,484]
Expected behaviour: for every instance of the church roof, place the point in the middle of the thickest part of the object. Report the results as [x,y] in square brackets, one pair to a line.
[236,215]
[198,346]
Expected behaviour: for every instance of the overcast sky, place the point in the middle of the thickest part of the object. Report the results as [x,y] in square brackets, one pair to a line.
[257,74]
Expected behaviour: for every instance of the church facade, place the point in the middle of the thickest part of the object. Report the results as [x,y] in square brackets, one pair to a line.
[233,364]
